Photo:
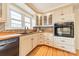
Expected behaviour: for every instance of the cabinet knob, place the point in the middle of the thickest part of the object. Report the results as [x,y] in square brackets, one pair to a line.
[47,43]
[62,18]
[63,41]
[32,39]
[62,46]
[62,14]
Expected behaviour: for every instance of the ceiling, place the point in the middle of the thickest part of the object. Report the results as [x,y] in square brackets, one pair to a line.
[45,7]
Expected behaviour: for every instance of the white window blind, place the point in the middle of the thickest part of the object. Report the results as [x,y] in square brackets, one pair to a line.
[15,18]
[28,22]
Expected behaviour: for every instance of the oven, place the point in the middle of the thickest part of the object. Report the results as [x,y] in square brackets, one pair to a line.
[65,29]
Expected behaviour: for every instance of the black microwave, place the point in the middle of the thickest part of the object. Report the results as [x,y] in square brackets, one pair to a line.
[65,29]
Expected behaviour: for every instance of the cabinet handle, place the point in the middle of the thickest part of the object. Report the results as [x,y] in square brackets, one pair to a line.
[32,39]
[40,41]
[4,44]
[40,37]
[62,46]
[62,14]
[62,18]
[63,41]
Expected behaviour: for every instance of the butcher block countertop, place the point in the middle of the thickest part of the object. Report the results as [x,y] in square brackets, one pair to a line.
[7,35]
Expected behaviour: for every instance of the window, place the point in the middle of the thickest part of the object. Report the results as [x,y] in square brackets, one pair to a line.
[15,19]
[28,22]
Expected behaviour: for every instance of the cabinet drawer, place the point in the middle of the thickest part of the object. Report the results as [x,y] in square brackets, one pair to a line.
[69,41]
[41,41]
[65,42]
[69,48]
[49,43]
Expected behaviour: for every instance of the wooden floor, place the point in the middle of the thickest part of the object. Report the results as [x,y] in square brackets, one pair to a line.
[49,51]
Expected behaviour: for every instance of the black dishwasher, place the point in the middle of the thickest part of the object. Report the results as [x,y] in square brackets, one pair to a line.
[9,47]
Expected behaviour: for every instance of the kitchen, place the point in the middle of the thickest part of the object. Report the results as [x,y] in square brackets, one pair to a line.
[39,29]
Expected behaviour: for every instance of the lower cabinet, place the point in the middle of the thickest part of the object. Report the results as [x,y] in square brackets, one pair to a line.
[25,45]
[29,42]
[67,44]
[41,38]
[48,39]
[34,40]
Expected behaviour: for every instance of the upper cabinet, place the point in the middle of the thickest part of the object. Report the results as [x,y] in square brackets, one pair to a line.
[64,14]
[2,12]
[40,20]
[50,19]
[45,20]
[37,20]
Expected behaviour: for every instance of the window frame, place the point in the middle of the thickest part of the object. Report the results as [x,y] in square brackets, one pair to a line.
[22,20]
[28,22]
[15,19]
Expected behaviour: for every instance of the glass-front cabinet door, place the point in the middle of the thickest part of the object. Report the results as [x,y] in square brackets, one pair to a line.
[40,20]
[45,20]
[37,20]
[50,20]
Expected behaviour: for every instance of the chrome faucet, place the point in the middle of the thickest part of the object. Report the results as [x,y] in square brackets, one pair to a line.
[26,28]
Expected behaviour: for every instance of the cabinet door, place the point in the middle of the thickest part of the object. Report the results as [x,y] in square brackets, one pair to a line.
[45,20]
[50,20]
[48,39]
[40,20]
[40,38]
[37,20]
[25,45]
[34,40]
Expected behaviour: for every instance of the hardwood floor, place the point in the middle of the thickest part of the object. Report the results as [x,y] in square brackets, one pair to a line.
[49,51]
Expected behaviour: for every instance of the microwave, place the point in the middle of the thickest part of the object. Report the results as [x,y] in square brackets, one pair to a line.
[66,29]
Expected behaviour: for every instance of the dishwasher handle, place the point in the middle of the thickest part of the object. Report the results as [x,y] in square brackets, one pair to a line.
[4,44]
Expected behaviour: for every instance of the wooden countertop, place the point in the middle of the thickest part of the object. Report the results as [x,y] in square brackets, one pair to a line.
[7,35]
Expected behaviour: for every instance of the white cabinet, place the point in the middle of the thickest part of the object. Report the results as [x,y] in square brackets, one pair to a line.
[46,39]
[64,43]
[64,14]
[34,40]
[41,38]
[44,20]
[3,12]
[25,45]
[29,42]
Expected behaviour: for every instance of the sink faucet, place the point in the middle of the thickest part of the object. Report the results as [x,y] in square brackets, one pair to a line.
[26,28]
